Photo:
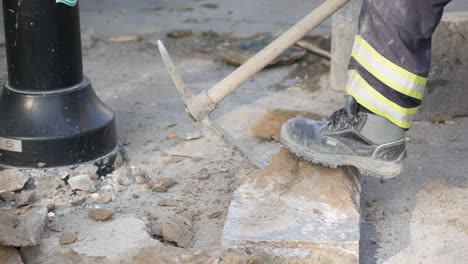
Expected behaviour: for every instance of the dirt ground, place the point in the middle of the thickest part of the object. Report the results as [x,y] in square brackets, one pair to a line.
[418,217]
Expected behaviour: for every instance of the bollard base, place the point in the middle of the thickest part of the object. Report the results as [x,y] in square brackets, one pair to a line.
[58,128]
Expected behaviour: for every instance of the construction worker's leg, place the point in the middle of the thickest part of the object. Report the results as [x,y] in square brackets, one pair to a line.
[387,76]
[391,56]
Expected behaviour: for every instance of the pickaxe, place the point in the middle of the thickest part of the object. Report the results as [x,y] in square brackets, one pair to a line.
[199,106]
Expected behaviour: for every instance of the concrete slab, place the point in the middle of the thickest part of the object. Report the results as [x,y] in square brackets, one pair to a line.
[296,211]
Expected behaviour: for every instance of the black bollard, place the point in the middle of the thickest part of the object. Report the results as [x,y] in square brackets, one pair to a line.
[50,115]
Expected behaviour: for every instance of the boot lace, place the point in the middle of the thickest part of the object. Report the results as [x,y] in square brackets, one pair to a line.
[340,120]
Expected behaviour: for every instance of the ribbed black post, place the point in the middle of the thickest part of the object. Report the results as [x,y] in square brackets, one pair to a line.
[49,113]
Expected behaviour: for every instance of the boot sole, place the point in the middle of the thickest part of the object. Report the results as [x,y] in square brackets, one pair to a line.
[366,166]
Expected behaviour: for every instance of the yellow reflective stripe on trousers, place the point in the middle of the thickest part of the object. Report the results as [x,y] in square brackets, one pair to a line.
[377,103]
[386,71]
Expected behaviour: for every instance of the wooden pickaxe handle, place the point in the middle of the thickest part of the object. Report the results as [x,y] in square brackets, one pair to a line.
[259,61]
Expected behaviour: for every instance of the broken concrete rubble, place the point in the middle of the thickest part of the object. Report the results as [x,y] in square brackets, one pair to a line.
[77,201]
[297,211]
[155,229]
[103,198]
[161,184]
[10,256]
[81,182]
[25,198]
[100,214]
[121,176]
[67,238]
[177,229]
[12,180]
[88,169]
[23,230]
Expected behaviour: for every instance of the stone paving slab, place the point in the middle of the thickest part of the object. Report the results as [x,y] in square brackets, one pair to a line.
[296,211]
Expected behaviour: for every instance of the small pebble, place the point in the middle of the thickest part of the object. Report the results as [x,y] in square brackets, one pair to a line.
[67,238]
[100,214]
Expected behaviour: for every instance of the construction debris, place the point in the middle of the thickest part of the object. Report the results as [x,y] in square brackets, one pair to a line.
[177,229]
[25,198]
[161,184]
[120,176]
[67,238]
[103,198]
[100,214]
[89,169]
[81,182]
[12,180]
[23,230]
[77,201]
[9,255]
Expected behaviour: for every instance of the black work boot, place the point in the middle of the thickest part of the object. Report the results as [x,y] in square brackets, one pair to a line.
[367,141]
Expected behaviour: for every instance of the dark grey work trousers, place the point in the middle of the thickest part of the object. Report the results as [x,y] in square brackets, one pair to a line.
[392,56]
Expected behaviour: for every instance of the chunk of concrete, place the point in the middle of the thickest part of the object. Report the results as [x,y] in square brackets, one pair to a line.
[89,169]
[296,211]
[24,230]
[116,241]
[25,198]
[178,229]
[447,90]
[10,256]
[81,182]
[120,176]
[100,214]
[12,180]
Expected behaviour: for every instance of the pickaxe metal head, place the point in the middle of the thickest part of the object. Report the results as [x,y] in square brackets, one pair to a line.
[197,106]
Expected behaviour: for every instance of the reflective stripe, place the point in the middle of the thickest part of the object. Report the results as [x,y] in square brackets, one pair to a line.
[377,103]
[386,71]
